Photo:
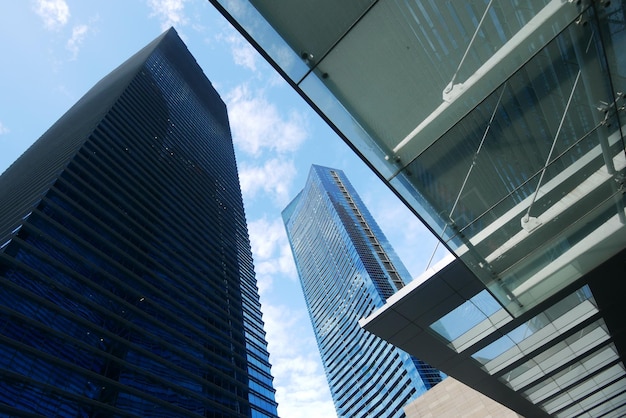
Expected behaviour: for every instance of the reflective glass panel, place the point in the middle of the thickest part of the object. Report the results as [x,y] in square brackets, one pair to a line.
[471,321]
[526,181]
[583,389]
[611,403]
[557,355]
[576,372]
[539,330]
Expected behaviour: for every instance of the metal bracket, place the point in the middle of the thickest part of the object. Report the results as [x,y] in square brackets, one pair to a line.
[610,109]
[530,223]
[452,91]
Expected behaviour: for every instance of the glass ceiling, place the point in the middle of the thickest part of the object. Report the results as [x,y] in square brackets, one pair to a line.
[501,123]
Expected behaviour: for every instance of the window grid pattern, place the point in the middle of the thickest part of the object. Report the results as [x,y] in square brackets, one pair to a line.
[129,289]
[345,275]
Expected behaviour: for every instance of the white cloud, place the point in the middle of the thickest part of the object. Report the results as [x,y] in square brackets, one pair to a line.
[169,12]
[257,124]
[78,36]
[237,7]
[300,382]
[271,252]
[3,129]
[54,13]
[265,237]
[243,53]
[284,56]
[274,178]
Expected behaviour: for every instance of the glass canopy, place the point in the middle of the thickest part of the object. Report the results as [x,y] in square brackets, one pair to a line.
[500,123]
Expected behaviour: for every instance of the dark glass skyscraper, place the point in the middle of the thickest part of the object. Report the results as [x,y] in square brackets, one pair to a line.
[348,269]
[126,279]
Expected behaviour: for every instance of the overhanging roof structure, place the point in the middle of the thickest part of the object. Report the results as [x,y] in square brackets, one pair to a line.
[563,358]
[500,123]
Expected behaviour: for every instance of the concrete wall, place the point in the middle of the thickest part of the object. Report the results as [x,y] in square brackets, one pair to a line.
[452,398]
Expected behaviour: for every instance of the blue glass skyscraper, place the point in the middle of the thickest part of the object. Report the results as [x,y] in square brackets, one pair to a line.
[347,269]
[126,279]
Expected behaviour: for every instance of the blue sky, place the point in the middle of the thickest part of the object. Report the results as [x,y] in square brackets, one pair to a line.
[53,51]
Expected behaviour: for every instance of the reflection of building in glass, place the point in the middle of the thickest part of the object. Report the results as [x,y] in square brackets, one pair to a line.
[347,269]
[501,124]
[127,286]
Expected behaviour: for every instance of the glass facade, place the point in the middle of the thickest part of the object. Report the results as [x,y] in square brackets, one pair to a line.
[500,123]
[127,285]
[347,270]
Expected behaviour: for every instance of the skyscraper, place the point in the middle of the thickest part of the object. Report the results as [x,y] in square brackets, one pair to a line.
[347,269]
[126,279]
